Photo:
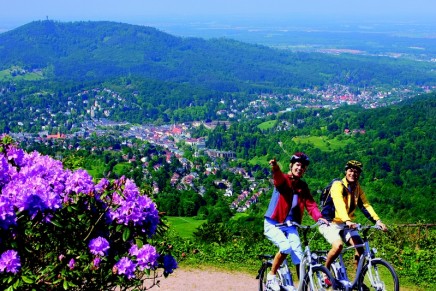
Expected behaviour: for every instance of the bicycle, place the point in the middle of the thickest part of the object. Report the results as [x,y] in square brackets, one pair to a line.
[312,272]
[372,273]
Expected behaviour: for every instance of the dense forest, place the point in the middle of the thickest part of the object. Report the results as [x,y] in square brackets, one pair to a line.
[93,51]
[53,73]
[397,148]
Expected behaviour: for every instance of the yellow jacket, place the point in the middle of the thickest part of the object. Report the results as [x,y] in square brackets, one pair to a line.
[344,204]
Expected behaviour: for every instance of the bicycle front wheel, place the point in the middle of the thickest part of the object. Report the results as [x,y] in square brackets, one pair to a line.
[317,280]
[381,276]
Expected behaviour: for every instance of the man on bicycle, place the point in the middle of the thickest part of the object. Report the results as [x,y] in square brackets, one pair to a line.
[345,196]
[290,196]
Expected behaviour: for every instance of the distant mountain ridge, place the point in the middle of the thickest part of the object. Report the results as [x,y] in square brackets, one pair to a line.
[101,50]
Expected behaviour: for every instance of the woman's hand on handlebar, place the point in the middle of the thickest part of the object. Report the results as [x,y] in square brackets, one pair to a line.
[351,224]
[381,225]
[322,221]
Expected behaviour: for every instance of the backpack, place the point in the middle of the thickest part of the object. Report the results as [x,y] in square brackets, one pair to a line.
[325,193]
[326,201]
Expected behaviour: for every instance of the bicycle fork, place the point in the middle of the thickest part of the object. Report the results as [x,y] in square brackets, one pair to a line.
[341,272]
[374,278]
[372,271]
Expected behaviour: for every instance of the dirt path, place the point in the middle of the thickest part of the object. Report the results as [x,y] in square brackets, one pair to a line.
[205,280]
[215,280]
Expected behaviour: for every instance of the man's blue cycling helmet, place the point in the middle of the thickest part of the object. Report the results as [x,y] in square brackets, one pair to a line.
[300,157]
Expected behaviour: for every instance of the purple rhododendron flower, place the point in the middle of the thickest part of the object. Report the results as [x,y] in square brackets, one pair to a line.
[126,266]
[132,207]
[96,262]
[80,182]
[102,185]
[146,256]
[10,262]
[37,186]
[5,171]
[34,204]
[99,246]
[71,264]
[17,155]
[170,264]
[7,213]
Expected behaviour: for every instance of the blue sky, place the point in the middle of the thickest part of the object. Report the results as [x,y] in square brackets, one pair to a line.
[14,13]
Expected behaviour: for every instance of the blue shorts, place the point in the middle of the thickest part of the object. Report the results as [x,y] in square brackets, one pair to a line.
[286,238]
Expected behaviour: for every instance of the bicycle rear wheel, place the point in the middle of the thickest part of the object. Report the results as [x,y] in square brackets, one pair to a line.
[381,276]
[316,281]
[263,272]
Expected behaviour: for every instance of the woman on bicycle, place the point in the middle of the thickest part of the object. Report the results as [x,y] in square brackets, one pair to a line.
[345,196]
[290,196]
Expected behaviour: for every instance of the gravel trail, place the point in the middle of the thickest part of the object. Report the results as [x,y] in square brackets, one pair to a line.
[206,279]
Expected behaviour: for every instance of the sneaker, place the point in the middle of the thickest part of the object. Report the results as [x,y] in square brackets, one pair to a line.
[272,283]
[289,288]
[327,282]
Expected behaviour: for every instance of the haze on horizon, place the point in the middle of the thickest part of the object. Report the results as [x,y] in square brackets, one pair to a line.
[183,12]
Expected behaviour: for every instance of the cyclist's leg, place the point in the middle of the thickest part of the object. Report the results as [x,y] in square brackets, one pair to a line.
[296,250]
[331,233]
[278,261]
[278,238]
[317,279]
[352,237]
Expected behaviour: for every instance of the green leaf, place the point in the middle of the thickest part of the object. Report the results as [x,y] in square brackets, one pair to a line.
[65,285]
[139,243]
[55,282]
[81,217]
[55,223]
[27,280]
[126,234]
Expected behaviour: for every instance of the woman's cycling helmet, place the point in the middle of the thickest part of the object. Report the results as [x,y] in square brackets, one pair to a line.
[354,164]
[300,157]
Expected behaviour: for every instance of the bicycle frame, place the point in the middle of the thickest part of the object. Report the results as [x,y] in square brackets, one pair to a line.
[307,263]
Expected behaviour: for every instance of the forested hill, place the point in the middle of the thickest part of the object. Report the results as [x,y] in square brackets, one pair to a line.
[99,50]
[396,145]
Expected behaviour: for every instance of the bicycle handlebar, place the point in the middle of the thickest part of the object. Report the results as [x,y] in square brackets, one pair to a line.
[293,223]
[360,227]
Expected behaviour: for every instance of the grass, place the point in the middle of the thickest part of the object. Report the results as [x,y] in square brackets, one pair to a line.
[122,168]
[184,226]
[267,124]
[5,75]
[259,161]
[322,142]
[95,168]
